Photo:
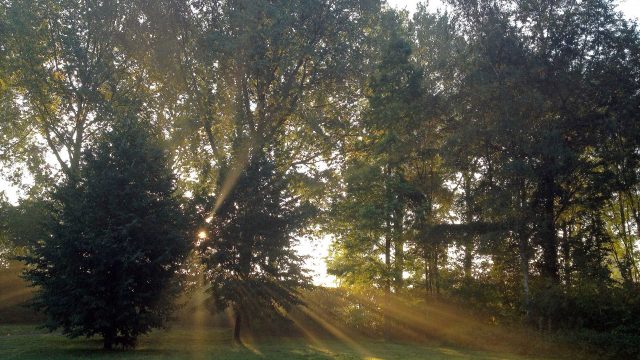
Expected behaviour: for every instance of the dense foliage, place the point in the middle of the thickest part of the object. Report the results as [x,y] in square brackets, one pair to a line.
[117,237]
[249,259]
[489,153]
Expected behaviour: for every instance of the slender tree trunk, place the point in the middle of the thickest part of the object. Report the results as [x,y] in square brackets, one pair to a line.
[108,340]
[387,280]
[398,248]
[236,328]
[429,246]
[524,264]
[387,253]
[469,241]
[468,260]
[548,230]
[77,151]
[427,273]
[627,272]
[566,256]
[523,249]
[436,272]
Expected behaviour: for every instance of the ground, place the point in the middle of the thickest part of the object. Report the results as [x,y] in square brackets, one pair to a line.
[29,342]
[450,334]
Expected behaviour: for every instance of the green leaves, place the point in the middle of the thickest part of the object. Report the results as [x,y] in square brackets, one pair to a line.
[68,78]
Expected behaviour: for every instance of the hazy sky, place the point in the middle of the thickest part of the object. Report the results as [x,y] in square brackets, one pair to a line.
[318,249]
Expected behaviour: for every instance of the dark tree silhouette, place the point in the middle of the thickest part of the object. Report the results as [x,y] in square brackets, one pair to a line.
[117,237]
[249,259]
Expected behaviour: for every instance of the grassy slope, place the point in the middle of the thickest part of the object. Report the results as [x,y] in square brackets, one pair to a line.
[27,342]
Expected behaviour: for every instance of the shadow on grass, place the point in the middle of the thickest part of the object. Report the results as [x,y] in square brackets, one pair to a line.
[93,353]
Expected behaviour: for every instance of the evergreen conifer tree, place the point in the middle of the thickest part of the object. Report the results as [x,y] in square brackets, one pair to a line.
[249,257]
[117,237]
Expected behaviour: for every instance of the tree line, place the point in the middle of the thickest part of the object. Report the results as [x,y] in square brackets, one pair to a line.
[488,152]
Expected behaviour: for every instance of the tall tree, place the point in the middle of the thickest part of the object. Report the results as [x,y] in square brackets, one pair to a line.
[259,73]
[360,215]
[117,239]
[66,68]
[544,76]
[249,259]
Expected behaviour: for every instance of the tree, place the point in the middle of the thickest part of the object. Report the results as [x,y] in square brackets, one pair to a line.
[248,255]
[546,96]
[65,67]
[117,238]
[6,246]
[21,226]
[269,73]
[393,173]
[369,217]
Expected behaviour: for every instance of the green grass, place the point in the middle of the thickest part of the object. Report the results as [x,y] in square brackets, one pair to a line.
[29,342]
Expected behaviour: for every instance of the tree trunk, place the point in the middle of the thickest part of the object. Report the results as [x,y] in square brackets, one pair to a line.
[524,262]
[436,272]
[629,260]
[566,256]
[108,340]
[387,280]
[428,247]
[548,235]
[387,253]
[523,247]
[398,249]
[77,150]
[468,260]
[236,328]
[387,241]
[427,273]
[469,241]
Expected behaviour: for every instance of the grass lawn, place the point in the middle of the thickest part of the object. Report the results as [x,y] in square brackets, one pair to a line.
[29,342]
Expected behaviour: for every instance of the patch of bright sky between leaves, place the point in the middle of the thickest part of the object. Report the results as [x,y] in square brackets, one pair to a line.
[317,249]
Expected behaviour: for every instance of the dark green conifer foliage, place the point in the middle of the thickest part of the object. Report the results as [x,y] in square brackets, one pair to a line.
[117,238]
[248,256]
